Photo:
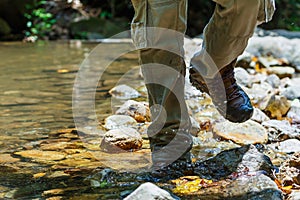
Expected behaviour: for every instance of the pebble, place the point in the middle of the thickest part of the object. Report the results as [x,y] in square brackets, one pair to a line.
[121,139]
[119,121]
[249,132]
[149,191]
[138,110]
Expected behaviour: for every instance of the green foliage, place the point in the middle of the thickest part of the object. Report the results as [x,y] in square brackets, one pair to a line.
[40,21]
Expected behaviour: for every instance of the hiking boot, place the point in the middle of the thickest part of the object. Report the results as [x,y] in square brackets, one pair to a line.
[235,105]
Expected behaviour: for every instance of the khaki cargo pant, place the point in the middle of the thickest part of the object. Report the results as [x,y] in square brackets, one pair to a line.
[225,38]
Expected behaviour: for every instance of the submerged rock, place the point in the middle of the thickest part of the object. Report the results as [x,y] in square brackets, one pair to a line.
[138,110]
[249,132]
[121,139]
[149,191]
[42,155]
[119,121]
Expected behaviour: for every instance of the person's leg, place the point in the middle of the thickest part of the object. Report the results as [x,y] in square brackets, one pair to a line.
[225,38]
[164,72]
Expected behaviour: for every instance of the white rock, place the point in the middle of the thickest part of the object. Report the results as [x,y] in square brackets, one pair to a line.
[294,112]
[273,80]
[149,191]
[119,121]
[242,77]
[287,146]
[124,92]
[259,116]
[281,72]
[138,110]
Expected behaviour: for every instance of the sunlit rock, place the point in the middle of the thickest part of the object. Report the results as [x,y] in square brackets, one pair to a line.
[149,191]
[281,72]
[124,92]
[290,171]
[294,112]
[273,80]
[119,121]
[7,158]
[277,106]
[243,77]
[121,139]
[287,146]
[138,110]
[259,116]
[249,132]
[280,130]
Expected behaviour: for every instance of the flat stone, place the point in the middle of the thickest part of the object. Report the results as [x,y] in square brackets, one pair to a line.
[42,155]
[7,158]
[281,72]
[119,121]
[138,110]
[287,146]
[149,191]
[249,132]
[61,146]
[121,139]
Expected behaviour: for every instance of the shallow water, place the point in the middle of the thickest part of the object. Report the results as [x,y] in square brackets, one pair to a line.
[36,85]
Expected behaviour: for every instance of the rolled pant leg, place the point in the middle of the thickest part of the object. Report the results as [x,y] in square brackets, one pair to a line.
[232,24]
[159,52]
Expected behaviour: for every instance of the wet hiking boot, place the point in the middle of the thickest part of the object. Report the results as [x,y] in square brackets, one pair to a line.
[236,106]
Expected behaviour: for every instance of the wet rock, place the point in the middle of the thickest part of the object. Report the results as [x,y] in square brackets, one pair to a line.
[277,106]
[124,92]
[124,138]
[249,132]
[7,158]
[287,146]
[42,155]
[291,89]
[259,116]
[281,72]
[119,121]
[280,130]
[243,77]
[195,127]
[237,160]
[138,110]
[149,191]
[290,171]
[61,146]
[273,80]
[244,187]
[294,112]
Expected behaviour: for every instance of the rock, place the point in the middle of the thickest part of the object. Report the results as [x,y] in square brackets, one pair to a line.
[244,60]
[281,72]
[7,158]
[235,160]
[259,116]
[119,121]
[268,61]
[295,195]
[245,187]
[277,106]
[260,94]
[195,127]
[4,27]
[294,112]
[273,80]
[124,92]
[290,171]
[42,155]
[280,130]
[287,146]
[242,77]
[149,191]
[249,132]
[138,110]
[291,89]
[124,138]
